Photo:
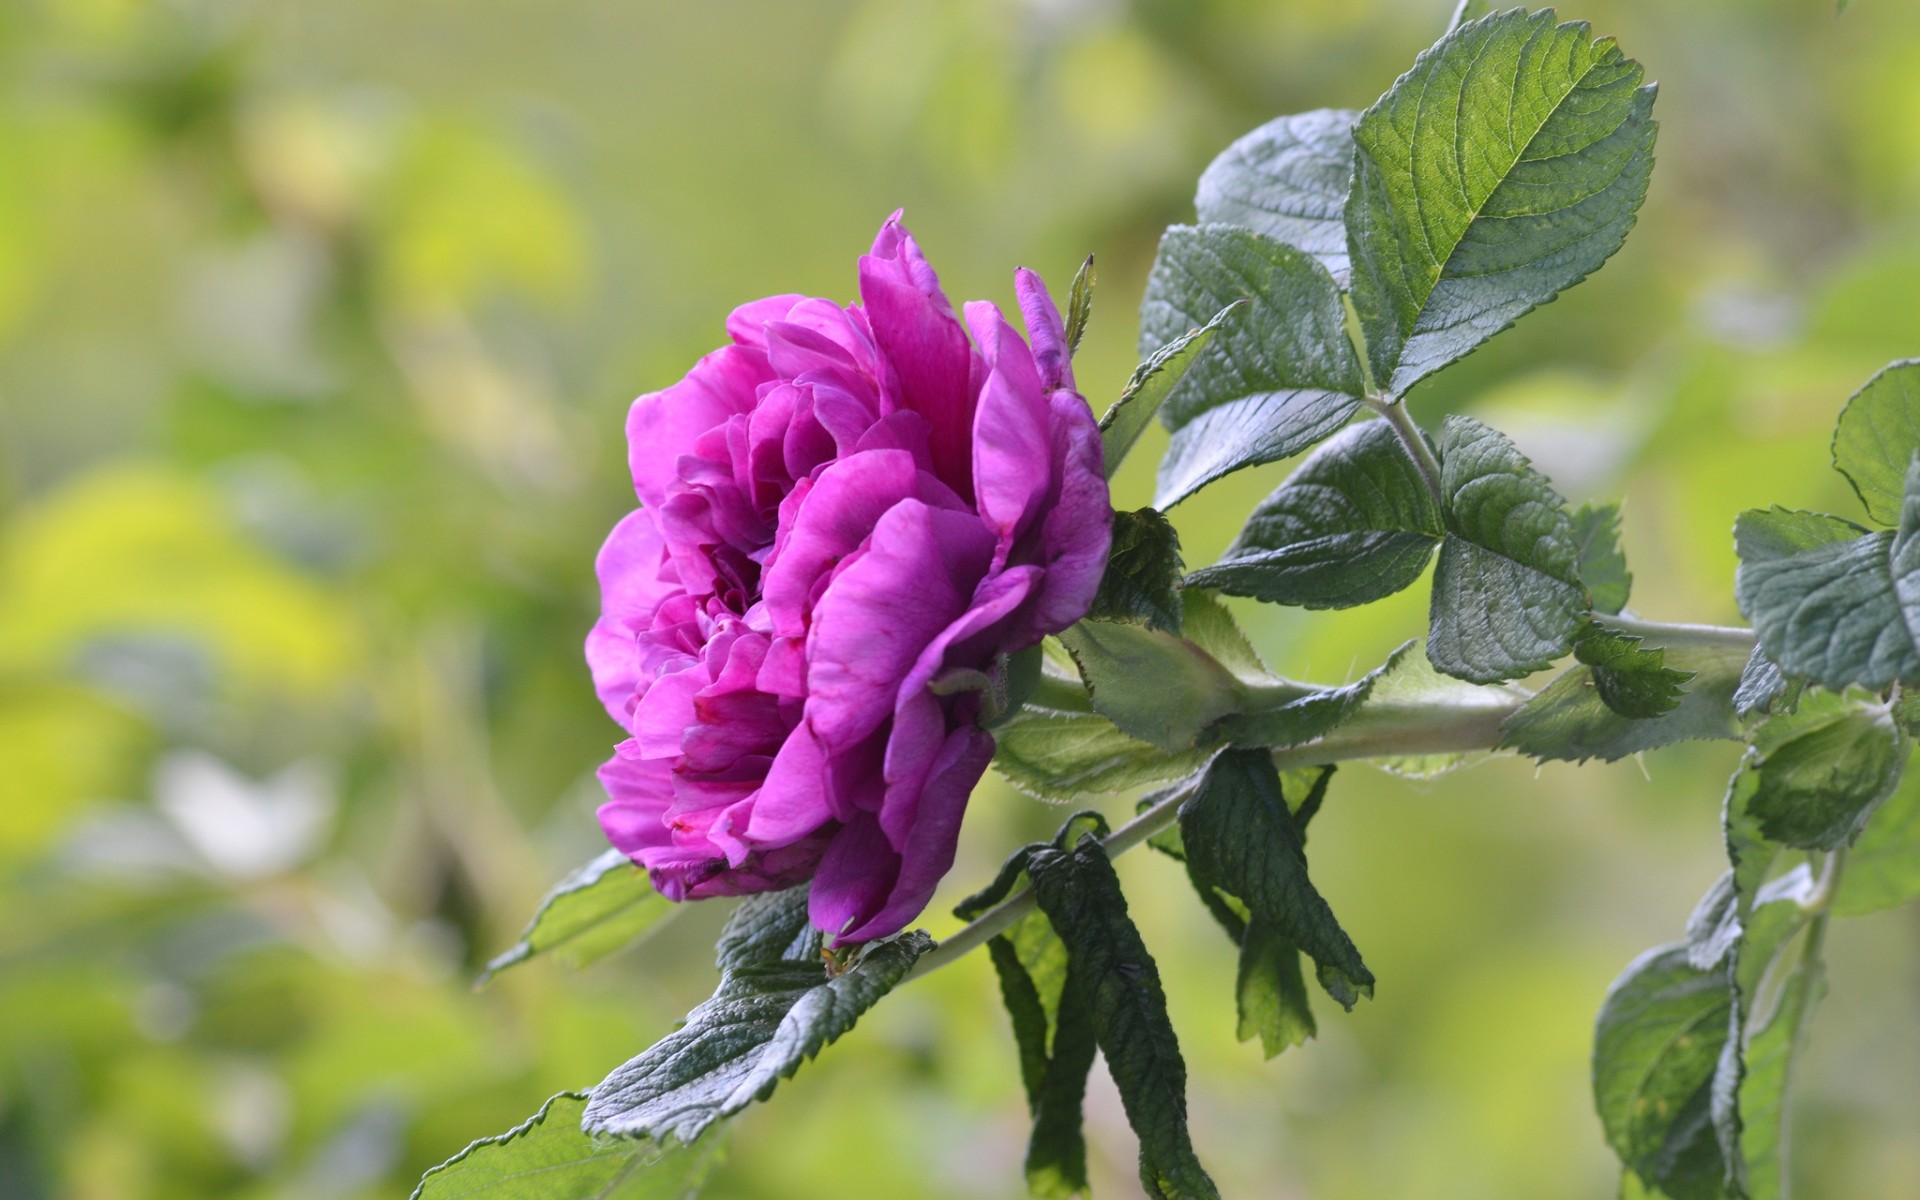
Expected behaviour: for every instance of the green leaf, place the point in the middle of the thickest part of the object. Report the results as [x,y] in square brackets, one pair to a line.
[1240,838]
[1507,597]
[604,906]
[1274,380]
[1409,694]
[1820,594]
[1823,769]
[1155,686]
[1080,307]
[1288,180]
[1150,385]
[549,1158]
[1603,568]
[1883,868]
[1505,167]
[1657,1045]
[1569,721]
[1142,580]
[1772,999]
[1111,976]
[1353,524]
[1292,715]
[1470,10]
[1629,678]
[775,1008]
[1761,683]
[1877,436]
[1064,757]
[1208,625]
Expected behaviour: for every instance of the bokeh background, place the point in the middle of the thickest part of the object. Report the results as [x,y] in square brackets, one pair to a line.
[317,326]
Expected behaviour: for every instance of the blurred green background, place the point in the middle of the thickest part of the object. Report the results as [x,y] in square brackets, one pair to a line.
[318,322]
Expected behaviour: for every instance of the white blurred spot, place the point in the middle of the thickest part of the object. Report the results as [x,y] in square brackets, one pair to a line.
[245,829]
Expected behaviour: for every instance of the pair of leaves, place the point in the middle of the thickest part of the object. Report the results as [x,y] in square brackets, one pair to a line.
[1358,522]
[1624,698]
[1832,601]
[1076,975]
[1505,166]
[1270,990]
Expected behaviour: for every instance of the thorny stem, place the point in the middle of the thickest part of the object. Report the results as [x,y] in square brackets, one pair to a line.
[1376,730]
[1379,731]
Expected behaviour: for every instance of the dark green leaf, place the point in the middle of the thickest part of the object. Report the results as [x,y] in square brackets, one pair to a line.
[775,1008]
[1240,838]
[1111,976]
[549,1158]
[1603,567]
[1142,580]
[1155,686]
[1507,597]
[1505,167]
[1080,305]
[1877,436]
[1056,1047]
[1287,179]
[1150,385]
[1821,598]
[1883,868]
[1273,381]
[1631,679]
[1823,769]
[600,908]
[1568,720]
[1353,524]
[1657,1045]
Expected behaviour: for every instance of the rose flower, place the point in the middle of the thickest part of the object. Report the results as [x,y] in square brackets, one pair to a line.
[838,509]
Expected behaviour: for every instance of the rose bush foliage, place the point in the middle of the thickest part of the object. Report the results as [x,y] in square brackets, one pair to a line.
[847,516]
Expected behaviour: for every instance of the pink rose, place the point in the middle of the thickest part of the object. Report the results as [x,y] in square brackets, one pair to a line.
[838,508]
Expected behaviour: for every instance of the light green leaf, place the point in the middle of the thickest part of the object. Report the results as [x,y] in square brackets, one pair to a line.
[1877,436]
[1150,385]
[768,1016]
[1761,683]
[1353,524]
[1569,721]
[1111,976]
[1142,579]
[1657,1045]
[1287,715]
[1240,838]
[1063,757]
[1080,308]
[1603,568]
[1821,597]
[1208,625]
[549,1158]
[1288,180]
[602,907]
[1505,167]
[1155,686]
[1823,769]
[1631,679]
[1883,868]
[1507,597]
[1274,380]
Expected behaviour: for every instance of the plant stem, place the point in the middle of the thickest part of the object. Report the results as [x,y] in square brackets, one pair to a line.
[1376,731]
[1806,984]
[1415,444]
[1662,632]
